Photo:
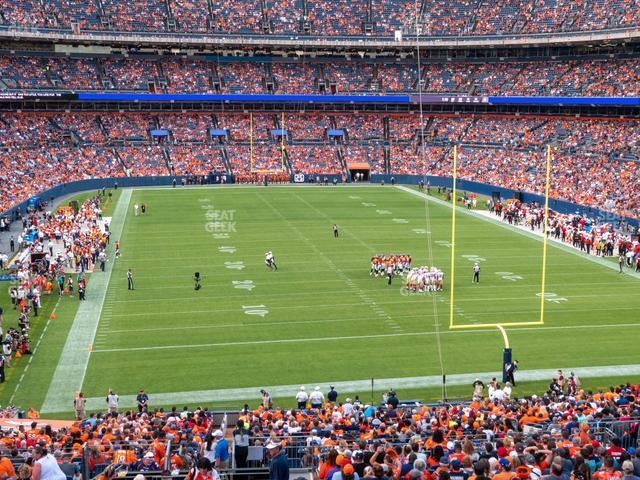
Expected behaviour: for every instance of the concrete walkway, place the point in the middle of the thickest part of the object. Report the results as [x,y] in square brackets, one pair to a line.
[364,385]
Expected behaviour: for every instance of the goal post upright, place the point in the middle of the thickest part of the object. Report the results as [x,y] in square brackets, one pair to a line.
[453,231]
[501,325]
[545,232]
[251,141]
[282,142]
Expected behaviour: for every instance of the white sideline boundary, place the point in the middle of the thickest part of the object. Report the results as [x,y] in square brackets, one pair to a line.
[522,231]
[74,359]
[352,386]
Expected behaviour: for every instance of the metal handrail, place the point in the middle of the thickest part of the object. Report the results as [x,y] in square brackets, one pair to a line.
[15,31]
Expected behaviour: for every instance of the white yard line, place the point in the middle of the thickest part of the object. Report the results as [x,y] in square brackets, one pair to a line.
[355,337]
[352,386]
[417,299]
[74,359]
[360,293]
[523,231]
[235,326]
[595,285]
[180,328]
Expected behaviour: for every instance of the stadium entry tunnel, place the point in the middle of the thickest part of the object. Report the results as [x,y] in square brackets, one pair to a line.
[359,171]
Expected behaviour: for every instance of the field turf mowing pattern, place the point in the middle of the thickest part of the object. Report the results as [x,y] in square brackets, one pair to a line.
[168,337]
[321,317]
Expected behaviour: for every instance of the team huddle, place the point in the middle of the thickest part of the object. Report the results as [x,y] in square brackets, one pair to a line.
[425,279]
[391,264]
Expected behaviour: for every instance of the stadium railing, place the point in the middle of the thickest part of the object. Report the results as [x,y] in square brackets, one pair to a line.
[16,32]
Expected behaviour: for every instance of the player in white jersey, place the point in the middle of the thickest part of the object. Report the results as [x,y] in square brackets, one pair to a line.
[425,279]
[270,261]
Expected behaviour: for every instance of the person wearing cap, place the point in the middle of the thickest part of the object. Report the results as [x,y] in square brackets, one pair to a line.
[523,472]
[279,463]
[147,464]
[478,390]
[222,451]
[301,398]
[456,472]
[143,401]
[316,398]
[358,463]
[627,471]
[505,472]
[476,273]
[392,399]
[332,395]
[347,472]
[347,407]
[443,466]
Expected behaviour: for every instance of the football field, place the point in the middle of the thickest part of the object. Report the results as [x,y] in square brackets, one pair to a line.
[321,318]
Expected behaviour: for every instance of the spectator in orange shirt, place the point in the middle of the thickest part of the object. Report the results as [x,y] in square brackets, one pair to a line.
[607,471]
[6,469]
[505,472]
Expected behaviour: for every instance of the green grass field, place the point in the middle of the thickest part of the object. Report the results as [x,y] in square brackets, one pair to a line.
[321,318]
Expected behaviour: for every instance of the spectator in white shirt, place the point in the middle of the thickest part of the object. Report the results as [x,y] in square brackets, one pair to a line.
[301,398]
[347,408]
[316,398]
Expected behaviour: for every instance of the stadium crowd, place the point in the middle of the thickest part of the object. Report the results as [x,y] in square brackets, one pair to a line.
[436,17]
[557,78]
[49,247]
[566,432]
[594,161]
[591,235]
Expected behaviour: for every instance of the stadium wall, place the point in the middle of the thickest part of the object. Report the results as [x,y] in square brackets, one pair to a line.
[72,188]
[560,206]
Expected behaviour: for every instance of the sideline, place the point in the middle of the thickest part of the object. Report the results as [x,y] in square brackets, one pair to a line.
[69,375]
[353,386]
